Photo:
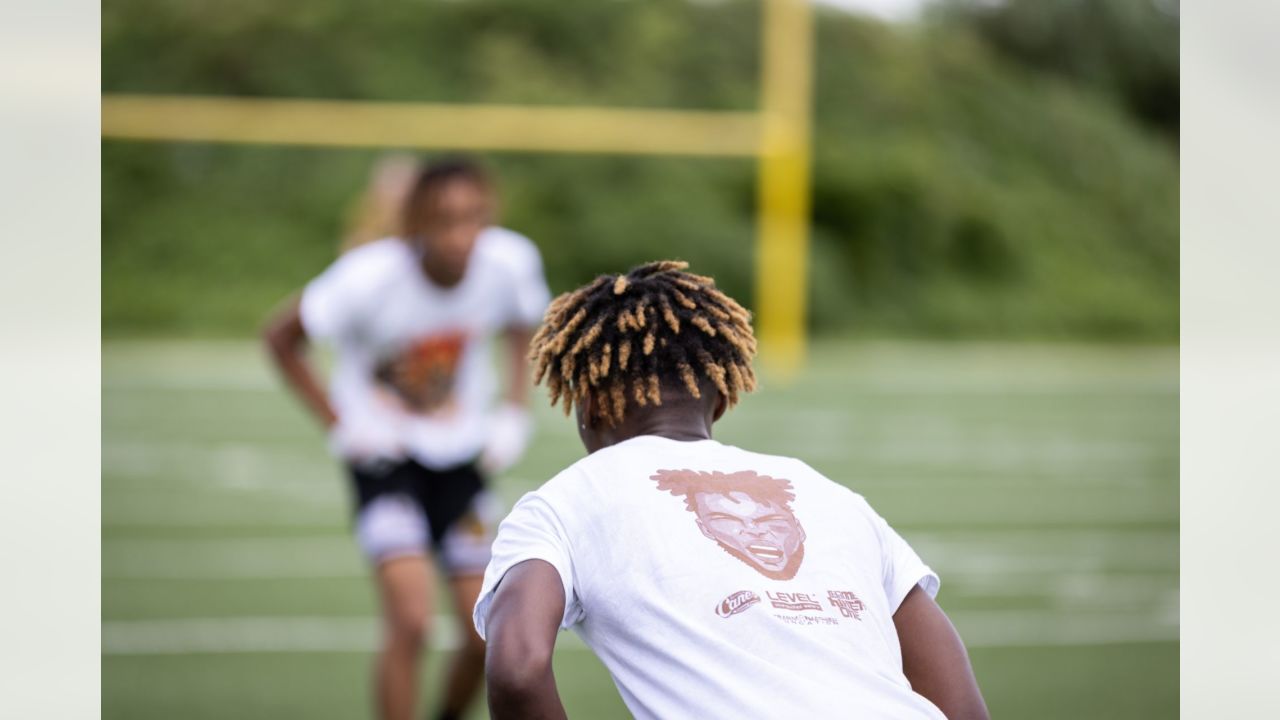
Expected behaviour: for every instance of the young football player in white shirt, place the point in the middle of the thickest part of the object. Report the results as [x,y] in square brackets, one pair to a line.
[713,582]
[410,407]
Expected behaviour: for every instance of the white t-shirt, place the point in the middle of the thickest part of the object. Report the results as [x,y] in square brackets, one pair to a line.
[714,582]
[412,358]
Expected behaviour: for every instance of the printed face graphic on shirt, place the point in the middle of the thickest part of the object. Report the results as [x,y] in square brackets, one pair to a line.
[422,374]
[767,535]
[748,515]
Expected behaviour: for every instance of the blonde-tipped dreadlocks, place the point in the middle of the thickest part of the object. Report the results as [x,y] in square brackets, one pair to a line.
[620,338]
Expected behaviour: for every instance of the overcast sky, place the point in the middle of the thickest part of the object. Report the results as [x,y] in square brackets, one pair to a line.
[885,9]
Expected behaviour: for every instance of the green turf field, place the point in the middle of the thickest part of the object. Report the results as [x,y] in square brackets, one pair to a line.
[1041,482]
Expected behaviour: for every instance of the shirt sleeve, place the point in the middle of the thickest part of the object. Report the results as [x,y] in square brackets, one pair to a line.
[328,304]
[532,531]
[902,567]
[530,294]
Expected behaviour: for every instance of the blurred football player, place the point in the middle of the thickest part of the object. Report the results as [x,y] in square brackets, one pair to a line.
[410,408]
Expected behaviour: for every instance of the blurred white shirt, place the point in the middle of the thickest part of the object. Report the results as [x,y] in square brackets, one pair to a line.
[412,357]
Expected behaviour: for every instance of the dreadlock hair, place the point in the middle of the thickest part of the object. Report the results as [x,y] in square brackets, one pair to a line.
[624,338]
[421,201]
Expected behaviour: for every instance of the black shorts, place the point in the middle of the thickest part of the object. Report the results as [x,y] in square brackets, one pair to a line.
[407,508]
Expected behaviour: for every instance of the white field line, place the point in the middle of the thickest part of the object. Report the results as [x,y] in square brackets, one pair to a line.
[246,558]
[234,466]
[309,477]
[923,385]
[1024,561]
[192,636]
[118,382]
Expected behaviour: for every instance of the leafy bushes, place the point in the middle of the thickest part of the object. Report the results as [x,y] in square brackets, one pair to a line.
[956,192]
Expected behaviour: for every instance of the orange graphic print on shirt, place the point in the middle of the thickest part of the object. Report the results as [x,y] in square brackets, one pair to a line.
[422,375]
[747,514]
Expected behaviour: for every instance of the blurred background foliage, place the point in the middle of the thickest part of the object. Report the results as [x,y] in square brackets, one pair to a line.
[1126,48]
[995,170]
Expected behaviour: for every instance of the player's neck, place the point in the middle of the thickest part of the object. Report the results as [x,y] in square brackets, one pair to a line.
[682,427]
[684,419]
[445,278]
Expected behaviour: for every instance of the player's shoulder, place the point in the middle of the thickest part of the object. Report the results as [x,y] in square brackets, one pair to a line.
[804,476]
[564,493]
[508,250]
[374,258]
[498,238]
[586,477]
[357,276]
[573,480]
[762,461]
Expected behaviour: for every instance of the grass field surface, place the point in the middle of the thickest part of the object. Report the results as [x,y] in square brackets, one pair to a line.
[1040,481]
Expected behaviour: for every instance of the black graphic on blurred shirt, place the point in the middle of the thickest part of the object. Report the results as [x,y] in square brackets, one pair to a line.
[423,374]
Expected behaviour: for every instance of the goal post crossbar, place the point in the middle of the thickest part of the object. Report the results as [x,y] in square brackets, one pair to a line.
[778,135]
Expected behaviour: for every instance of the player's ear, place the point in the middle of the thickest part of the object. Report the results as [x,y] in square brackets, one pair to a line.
[722,405]
[588,422]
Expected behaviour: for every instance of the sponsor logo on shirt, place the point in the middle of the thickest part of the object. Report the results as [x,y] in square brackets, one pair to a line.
[849,605]
[846,601]
[807,619]
[736,603]
[796,602]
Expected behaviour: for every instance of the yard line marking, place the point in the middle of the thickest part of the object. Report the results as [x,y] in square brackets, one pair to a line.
[192,636]
[1084,570]
[1030,628]
[239,558]
[317,634]
[252,380]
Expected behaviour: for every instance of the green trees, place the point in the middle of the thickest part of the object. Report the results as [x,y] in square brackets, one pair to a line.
[1127,49]
[957,190]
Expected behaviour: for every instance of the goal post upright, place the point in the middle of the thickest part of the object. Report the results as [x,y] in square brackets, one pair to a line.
[782,226]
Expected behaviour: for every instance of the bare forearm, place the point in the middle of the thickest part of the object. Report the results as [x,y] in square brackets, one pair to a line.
[934,659]
[298,373]
[523,694]
[957,697]
[518,365]
[286,342]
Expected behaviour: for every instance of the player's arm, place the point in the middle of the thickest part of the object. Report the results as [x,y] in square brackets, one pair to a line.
[518,338]
[286,341]
[521,628]
[934,658]
[511,427]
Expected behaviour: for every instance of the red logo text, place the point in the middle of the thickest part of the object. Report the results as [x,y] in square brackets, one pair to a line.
[849,605]
[796,602]
[736,603]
